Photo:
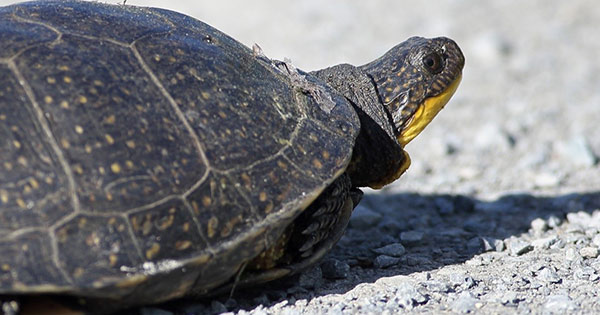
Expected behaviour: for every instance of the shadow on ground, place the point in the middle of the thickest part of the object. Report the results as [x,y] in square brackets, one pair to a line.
[452,229]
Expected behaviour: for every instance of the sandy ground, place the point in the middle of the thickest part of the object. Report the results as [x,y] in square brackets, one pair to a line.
[520,140]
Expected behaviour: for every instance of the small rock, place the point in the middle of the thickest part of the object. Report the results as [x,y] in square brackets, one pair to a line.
[465,303]
[407,295]
[437,286]
[548,275]
[384,261]
[462,280]
[553,221]
[493,244]
[578,151]
[589,252]
[571,254]
[411,238]
[559,304]
[585,273]
[539,226]
[510,298]
[544,243]
[394,250]
[363,218]
[546,180]
[580,218]
[335,269]
[596,240]
[517,246]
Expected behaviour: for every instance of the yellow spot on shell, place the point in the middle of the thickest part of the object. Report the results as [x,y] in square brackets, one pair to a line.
[21,203]
[317,164]
[65,143]
[5,267]
[48,99]
[50,80]
[112,260]
[262,196]
[110,119]
[152,251]
[4,196]
[182,245]
[17,144]
[34,183]
[79,129]
[130,144]
[64,104]
[82,99]
[109,139]
[206,201]
[211,227]
[205,95]
[67,79]
[115,168]
[78,272]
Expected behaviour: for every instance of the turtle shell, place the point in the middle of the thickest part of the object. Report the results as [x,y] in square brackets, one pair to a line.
[145,154]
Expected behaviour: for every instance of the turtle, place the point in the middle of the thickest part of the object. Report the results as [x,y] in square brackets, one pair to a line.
[147,156]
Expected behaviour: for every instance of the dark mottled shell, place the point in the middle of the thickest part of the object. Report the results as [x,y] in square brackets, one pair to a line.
[143,153]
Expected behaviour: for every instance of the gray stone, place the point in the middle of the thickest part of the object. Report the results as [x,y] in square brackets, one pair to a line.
[411,238]
[553,221]
[544,243]
[559,304]
[517,246]
[335,269]
[393,250]
[462,280]
[539,226]
[465,303]
[384,261]
[363,218]
[571,254]
[578,151]
[589,252]
[407,296]
[548,275]
[596,240]
[437,286]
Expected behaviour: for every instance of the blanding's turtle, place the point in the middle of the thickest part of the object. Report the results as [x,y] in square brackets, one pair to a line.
[147,156]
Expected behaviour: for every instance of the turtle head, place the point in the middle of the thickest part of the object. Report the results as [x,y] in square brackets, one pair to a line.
[414,80]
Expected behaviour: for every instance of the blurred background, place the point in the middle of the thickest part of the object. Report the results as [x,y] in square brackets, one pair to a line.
[527,116]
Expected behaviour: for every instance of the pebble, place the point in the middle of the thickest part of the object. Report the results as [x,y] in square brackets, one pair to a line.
[578,151]
[559,304]
[465,303]
[589,252]
[596,240]
[549,276]
[411,238]
[393,250]
[335,269]
[384,261]
[462,280]
[571,254]
[363,218]
[517,246]
[544,243]
[546,180]
[539,226]
[553,221]
[407,296]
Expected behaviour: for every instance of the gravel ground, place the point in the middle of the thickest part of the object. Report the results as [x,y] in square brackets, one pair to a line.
[500,211]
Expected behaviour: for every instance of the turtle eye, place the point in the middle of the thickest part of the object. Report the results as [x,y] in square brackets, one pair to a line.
[433,62]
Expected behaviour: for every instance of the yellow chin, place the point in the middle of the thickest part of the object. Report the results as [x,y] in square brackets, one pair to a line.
[426,112]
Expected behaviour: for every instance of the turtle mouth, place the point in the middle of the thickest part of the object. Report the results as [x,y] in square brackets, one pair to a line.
[426,112]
